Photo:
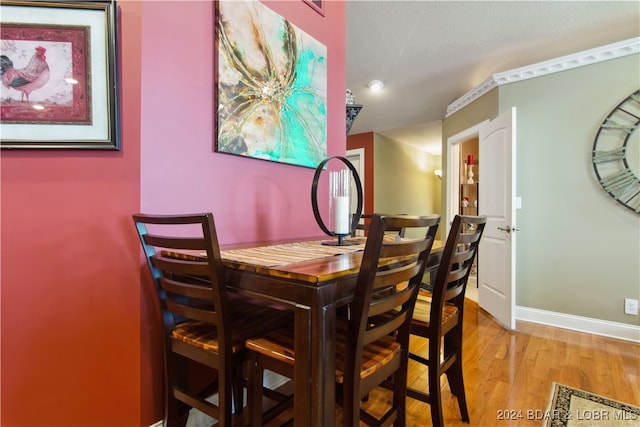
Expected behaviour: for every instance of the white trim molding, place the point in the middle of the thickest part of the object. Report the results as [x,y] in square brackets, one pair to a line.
[589,325]
[563,63]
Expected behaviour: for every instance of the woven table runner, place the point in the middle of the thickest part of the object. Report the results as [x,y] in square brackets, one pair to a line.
[270,256]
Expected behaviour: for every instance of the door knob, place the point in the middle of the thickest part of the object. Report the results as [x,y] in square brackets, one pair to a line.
[508,229]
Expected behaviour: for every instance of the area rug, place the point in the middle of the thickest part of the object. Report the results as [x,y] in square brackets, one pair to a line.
[571,407]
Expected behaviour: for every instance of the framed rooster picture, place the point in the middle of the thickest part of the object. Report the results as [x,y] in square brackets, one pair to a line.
[59,75]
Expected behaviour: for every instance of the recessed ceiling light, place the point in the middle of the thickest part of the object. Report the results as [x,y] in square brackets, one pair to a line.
[376,85]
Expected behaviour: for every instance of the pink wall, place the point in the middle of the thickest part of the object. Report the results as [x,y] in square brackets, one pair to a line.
[76,322]
[251,199]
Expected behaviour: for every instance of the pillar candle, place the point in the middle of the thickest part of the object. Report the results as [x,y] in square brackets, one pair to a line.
[341,214]
[470,160]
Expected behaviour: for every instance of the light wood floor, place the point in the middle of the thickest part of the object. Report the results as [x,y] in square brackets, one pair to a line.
[514,370]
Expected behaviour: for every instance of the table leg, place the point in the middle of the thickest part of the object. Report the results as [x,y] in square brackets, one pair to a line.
[314,370]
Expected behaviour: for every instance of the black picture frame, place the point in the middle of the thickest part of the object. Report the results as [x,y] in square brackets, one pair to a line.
[76,45]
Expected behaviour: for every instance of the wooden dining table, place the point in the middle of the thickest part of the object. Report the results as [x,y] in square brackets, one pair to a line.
[313,280]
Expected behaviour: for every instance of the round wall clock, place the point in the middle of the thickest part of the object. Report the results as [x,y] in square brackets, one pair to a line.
[616,153]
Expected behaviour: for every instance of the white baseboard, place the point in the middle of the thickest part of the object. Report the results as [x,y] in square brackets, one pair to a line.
[196,419]
[605,328]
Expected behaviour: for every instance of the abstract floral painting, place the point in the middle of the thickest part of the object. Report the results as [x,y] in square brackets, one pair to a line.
[271,87]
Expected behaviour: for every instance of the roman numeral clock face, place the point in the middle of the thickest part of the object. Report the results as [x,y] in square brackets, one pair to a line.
[616,153]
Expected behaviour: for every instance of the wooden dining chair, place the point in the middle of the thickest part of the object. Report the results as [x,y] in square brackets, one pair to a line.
[372,344]
[438,317]
[363,225]
[200,324]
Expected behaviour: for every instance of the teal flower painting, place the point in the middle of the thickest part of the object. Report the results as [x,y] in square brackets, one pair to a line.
[271,87]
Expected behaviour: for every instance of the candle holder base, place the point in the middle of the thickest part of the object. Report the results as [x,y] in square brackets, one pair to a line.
[341,241]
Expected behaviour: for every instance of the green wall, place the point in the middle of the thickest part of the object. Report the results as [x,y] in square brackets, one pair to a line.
[404,181]
[483,108]
[578,251]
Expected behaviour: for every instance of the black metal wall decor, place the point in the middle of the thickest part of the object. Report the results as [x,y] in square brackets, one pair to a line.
[352,112]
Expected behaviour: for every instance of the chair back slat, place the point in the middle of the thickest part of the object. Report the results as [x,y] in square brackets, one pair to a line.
[399,274]
[462,255]
[191,243]
[179,266]
[192,287]
[387,303]
[456,275]
[451,293]
[386,291]
[393,323]
[192,312]
[400,248]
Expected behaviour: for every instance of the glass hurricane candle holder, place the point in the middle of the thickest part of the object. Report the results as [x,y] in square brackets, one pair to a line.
[342,221]
[339,201]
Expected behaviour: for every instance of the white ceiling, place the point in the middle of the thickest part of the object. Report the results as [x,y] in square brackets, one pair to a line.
[430,53]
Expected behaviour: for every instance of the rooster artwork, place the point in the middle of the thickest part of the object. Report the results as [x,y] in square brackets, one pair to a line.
[28,79]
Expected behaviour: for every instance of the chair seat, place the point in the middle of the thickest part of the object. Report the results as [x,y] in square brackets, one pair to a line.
[247,321]
[422,310]
[374,355]
[279,345]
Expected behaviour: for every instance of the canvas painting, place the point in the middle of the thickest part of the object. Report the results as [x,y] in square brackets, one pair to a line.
[271,82]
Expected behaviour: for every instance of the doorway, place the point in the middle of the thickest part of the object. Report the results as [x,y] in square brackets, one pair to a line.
[469,201]
[496,195]
[459,147]
[356,157]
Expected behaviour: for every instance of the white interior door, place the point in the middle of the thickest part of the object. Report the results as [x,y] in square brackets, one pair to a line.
[496,254]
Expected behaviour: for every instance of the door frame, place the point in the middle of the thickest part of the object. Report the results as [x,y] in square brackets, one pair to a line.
[453,170]
[359,154]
